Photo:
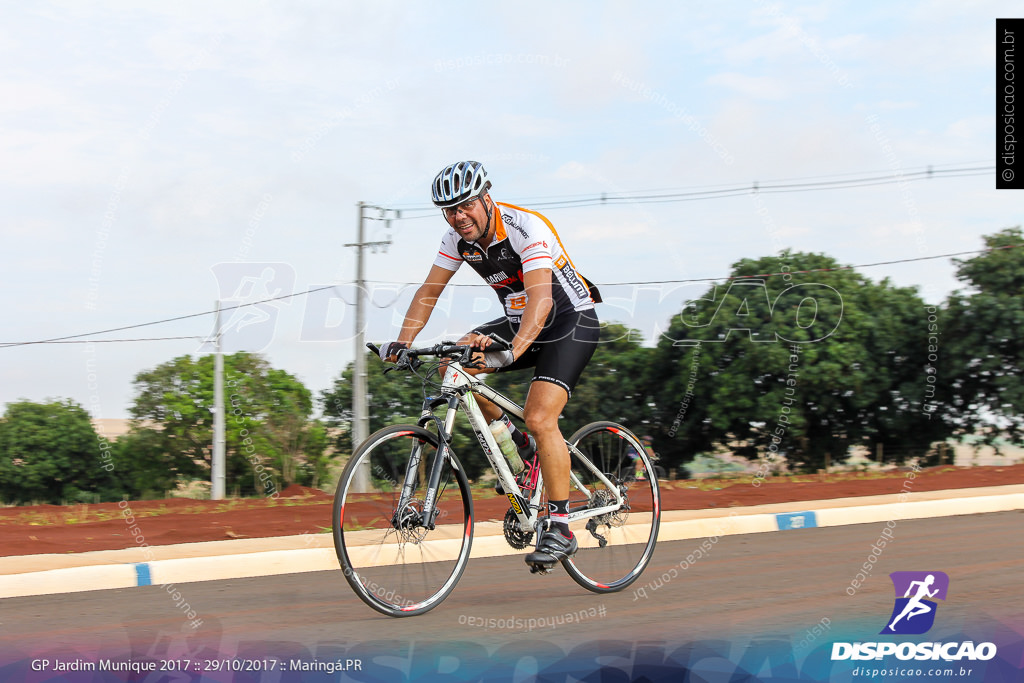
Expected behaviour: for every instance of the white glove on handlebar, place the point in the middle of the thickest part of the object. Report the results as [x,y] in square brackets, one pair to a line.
[498,359]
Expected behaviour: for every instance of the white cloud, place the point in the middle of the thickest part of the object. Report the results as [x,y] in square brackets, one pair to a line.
[894,105]
[971,129]
[756,87]
[20,96]
[89,80]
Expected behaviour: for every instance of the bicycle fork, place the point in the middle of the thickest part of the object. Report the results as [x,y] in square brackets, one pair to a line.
[427,517]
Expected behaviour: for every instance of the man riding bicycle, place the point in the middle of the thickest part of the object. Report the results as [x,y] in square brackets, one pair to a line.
[549,322]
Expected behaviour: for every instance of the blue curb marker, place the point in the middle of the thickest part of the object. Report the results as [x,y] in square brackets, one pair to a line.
[796,520]
[142,574]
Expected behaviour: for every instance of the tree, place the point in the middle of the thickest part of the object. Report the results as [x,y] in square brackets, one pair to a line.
[268,430]
[804,366]
[612,388]
[979,346]
[50,453]
[144,469]
[614,385]
[393,398]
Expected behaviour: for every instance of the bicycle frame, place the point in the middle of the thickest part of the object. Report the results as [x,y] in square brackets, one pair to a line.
[457,391]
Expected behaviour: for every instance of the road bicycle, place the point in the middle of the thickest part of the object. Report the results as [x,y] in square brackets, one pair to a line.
[403,512]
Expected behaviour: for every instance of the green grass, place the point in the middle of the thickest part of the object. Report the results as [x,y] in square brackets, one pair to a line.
[353,524]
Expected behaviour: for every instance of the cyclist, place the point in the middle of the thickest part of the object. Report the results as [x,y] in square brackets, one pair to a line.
[549,322]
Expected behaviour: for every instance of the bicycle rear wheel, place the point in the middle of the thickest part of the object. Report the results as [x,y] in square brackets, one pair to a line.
[615,547]
[396,561]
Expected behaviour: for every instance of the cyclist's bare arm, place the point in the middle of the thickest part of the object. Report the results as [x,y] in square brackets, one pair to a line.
[423,303]
[538,305]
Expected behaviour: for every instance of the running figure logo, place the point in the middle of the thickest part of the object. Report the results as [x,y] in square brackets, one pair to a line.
[914,613]
[247,291]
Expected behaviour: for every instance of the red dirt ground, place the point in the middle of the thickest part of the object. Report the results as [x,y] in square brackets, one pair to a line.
[80,528]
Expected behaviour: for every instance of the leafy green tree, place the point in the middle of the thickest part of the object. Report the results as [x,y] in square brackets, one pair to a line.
[802,365]
[318,457]
[979,346]
[50,453]
[393,398]
[613,387]
[268,430]
[144,469]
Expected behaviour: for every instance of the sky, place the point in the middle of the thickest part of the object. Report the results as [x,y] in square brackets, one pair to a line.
[159,157]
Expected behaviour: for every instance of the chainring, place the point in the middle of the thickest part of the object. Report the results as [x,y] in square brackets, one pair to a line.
[514,534]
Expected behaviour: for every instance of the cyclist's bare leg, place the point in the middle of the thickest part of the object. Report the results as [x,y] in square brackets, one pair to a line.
[544,404]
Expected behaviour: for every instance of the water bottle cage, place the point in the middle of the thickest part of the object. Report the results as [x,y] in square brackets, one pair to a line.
[527,479]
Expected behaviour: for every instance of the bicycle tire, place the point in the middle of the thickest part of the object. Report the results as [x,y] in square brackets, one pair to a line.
[390,558]
[628,535]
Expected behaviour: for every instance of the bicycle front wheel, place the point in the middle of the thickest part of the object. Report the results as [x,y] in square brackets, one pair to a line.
[615,547]
[397,561]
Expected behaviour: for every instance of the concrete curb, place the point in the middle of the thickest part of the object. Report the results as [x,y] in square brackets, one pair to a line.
[221,560]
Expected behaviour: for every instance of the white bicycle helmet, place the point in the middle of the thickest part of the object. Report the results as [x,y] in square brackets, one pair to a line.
[458,182]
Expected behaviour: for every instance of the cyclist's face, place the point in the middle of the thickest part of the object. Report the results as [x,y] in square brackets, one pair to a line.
[469,218]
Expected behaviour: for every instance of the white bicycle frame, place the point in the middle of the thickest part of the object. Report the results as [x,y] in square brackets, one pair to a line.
[459,382]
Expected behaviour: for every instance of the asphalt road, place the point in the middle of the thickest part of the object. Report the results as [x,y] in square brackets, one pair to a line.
[791,589]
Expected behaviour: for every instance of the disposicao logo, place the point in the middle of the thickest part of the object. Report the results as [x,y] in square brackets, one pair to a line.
[913,614]
[914,611]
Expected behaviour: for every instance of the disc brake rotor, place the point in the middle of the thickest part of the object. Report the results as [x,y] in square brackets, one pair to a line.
[409,522]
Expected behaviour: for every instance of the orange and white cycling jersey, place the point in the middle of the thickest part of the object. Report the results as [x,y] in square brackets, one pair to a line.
[525,241]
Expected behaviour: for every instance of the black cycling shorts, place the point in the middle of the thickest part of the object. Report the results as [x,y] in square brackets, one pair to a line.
[561,351]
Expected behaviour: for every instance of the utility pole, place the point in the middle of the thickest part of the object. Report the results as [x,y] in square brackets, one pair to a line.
[217,483]
[360,410]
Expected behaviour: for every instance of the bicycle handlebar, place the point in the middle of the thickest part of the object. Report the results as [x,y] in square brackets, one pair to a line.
[409,357]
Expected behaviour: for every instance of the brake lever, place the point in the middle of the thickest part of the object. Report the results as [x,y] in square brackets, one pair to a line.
[407,362]
[466,360]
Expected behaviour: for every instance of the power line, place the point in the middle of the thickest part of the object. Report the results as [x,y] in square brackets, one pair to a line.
[165,320]
[887,172]
[740,277]
[701,193]
[65,339]
[110,341]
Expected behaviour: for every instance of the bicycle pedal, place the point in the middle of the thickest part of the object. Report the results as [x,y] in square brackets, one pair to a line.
[537,568]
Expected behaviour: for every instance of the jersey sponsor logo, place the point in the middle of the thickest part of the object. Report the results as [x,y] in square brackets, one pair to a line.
[538,244]
[515,302]
[495,278]
[511,223]
[570,277]
[472,256]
